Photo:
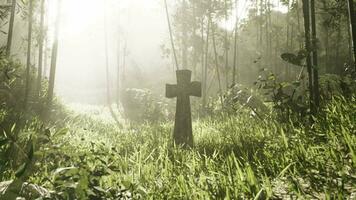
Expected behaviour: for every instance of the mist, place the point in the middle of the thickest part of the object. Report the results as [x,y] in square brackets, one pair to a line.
[177,99]
[139,27]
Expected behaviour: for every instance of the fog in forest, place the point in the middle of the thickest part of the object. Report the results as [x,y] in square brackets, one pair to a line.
[177,99]
[139,26]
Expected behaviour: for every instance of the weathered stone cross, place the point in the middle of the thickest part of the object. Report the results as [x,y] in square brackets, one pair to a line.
[183,134]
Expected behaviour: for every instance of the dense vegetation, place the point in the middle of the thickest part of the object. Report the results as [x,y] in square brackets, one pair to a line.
[236,155]
[277,121]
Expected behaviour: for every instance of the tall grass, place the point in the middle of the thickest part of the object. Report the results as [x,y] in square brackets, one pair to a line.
[234,157]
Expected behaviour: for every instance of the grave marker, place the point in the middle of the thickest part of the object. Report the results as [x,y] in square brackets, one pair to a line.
[183,134]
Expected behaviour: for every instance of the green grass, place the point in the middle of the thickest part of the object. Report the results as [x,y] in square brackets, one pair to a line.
[234,157]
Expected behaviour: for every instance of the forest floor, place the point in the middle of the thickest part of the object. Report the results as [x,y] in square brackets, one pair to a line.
[88,155]
[234,157]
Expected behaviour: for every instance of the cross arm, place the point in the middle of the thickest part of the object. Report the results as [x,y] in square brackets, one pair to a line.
[171,91]
[195,89]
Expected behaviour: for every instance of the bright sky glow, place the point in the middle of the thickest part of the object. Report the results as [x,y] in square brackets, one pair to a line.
[81,56]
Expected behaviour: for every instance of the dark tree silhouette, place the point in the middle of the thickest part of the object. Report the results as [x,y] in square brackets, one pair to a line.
[40,50]
[353,26]
[29,45]
[11,27]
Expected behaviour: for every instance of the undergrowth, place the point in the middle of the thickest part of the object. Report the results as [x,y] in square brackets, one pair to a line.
[234,157]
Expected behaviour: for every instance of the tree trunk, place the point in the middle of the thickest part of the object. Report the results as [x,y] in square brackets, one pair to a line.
[202,49]
[108,92]
[40,51]
[234,73]
[306,12]
[45,58]
[287,65]
[270,42]
[171,35]
[184,39]
[353,26]
[217,63]
[315,56]
[226,48]
[205,81]
[118,79]
[52,73]
[327,63]
[337,59]
[11,28]
[106,50]
[350,46]
[45,46]
[28,63]
[299,24]
[195,57]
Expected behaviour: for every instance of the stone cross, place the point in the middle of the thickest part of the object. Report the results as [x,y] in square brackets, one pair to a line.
[183,134]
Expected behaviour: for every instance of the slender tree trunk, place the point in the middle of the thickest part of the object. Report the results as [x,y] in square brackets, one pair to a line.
[315,56]
[171,35]
[337,50]
[45,46]
[306,11]
[260,43]
[226,47]
[195,57]
[202,49]
[269,30]
[287,67]
[107,70]
[350,46]
[29,45]
[261,23]
[184,39]
[270,45]
[353,26]
[52,73]
[205,81]
[45,59]
[327,50]
[118,79]
[40,51]
[235,45]
[257,27]
[217,63]
[266,32]
[11,28]
[298,21]
[108,92]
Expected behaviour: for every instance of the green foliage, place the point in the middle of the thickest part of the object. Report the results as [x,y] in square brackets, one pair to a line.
[333,85]
[141,106]
[297,60]
[237,100]
[235,156]
[288,98]
[21,131]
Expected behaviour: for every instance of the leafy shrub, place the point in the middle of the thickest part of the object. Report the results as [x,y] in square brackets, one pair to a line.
[289,99]
[332,85]
[141,106]
[20,130]
[239,97]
